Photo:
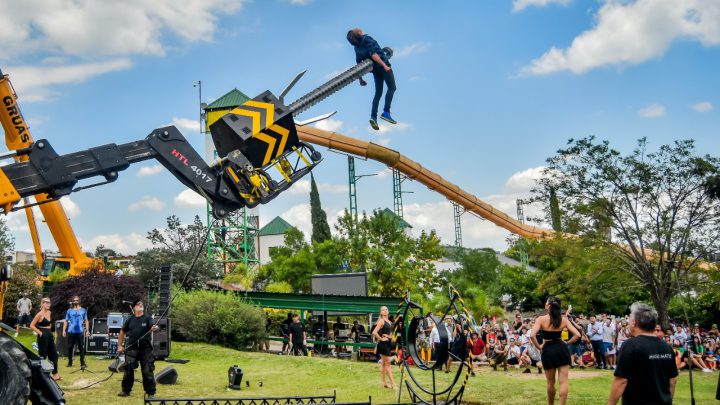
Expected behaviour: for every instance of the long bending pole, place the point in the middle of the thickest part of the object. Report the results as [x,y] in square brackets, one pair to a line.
[416,171]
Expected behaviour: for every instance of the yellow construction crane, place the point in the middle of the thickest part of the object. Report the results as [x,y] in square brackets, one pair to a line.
[18,138]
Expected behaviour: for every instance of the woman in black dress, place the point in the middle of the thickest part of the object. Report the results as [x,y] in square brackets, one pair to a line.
[554,352]
[383,334]
[43,327]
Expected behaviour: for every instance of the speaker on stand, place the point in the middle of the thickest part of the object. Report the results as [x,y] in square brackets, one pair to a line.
[161,339]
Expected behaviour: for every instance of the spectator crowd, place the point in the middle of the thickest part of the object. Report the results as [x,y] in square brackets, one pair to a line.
[504,343]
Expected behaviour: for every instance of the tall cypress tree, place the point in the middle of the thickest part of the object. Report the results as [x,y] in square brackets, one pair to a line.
[320,227]
[555,214]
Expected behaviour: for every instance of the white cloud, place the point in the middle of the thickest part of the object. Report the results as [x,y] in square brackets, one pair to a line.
[519,5]
[384,142]
[652,111]
[418,47]
[475,231]
[303,187]
[189,199]
[524,180]
[329,125]
[386,128]
[438,215]
[150,170]
[125,244]
[703,106]
[147,203]
[90,28]
[186,124]
[33,82]
[299,217]
[84,39]
[71,209]
[632,32]
[301,2]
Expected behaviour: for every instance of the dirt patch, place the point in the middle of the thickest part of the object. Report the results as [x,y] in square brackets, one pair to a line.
[518,373]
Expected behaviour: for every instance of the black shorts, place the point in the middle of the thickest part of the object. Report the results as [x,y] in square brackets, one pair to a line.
[514,361]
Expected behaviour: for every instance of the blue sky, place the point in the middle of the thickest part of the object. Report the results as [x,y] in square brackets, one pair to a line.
[486,92]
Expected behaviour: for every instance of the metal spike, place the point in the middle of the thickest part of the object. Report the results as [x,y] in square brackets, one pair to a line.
[290,86]
[316,119]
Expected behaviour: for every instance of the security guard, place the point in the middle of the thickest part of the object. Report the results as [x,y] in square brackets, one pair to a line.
[138,349]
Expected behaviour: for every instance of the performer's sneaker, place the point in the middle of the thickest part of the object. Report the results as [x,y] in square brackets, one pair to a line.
[123,394]
[374,124]
[387,117]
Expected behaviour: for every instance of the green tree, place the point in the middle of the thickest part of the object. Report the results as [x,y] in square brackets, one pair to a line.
[177,246]
[657,204]
[318,217]
[395,262]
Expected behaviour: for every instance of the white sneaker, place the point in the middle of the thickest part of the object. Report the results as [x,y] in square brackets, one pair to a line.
[16,334]
[706,370]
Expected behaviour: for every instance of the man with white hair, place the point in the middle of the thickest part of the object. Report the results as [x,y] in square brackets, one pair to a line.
[646,372]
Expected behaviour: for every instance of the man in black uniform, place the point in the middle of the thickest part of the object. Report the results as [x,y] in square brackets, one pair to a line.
[298,336]
[646,371]
[137,329]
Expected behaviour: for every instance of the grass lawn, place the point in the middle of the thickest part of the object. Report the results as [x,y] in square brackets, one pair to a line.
[206,376]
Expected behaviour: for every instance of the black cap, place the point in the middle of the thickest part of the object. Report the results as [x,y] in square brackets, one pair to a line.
[137,302]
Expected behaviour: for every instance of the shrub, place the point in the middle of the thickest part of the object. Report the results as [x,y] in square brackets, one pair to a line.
[23,282]
[58,275]
[279,287]
[100,293]
[217,317]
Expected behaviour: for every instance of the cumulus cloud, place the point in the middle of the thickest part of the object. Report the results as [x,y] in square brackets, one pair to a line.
[89,28]
[34,82]
[150,170]
[524,180]
[126,244]
[189,199]
[386,128]
[418,47]
[652,111]
[147,203]
[71,209]
[438,215]
[83,39]
[186,124]
[519,5]
[703,106]
[299,217]
[329,125]
[632,32]
[303,187]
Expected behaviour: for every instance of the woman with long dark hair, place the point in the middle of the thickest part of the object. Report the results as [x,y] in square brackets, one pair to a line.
[554,351]
[383,335]
[367,48]
[43,327]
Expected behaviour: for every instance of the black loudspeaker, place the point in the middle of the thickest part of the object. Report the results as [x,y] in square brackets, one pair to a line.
[161,339]
[164,286]
[117,365]
[99,326]
[235,376]
[167,376]
[61,343]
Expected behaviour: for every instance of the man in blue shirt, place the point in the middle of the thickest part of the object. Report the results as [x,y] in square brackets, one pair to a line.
[367,48]
[75,328]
